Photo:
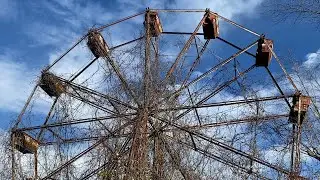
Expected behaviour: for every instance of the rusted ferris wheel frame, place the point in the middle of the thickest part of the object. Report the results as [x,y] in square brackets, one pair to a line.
[184,85]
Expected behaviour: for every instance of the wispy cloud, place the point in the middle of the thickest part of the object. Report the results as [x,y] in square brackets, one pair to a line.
[65,21]
[15,83]
[313,60]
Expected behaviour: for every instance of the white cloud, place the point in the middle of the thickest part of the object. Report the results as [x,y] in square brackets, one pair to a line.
[48,34]
[313,60]
[186,22]
[16,82]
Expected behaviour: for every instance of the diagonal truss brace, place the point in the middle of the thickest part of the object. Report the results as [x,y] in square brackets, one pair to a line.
[227,103]
[225,146]
[185,48]
[217,158]
[100,141]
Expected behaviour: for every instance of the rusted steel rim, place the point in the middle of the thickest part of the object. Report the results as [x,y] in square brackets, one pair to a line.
[119,21]
[179,10]
[238,25]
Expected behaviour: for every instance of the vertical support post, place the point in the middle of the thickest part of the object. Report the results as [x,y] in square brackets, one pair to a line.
[293,149]
[138,168]
[154,92]
[13,170]
[158,160]
[158,156]
[297,144]
[296,137]
[235,67]
[254,139]
[146,80]
[36,165]
[138,163]
[156,75]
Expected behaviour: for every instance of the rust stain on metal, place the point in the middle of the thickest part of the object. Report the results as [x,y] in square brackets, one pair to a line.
[211,26]
[51,85]
[154,23]
[97,44]
[25,143]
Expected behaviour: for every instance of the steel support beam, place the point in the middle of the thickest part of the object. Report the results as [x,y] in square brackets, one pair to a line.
[126,43]
[101,140]
[86,67]
[278,87]
[238,25]
[76,121]
[91,91]
[227,103]
[196,62]
[179,10]
[123,81]
[65,53]
[219,159]
[213,69]
[225,146]
[119,21]
[219,89]
[219,38]
[185,48]
[84,139]
[110,164]
[47,118]
[237,121]
[25,106]
[283,69]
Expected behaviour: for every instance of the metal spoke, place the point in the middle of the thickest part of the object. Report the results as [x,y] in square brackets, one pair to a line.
[213,69]
[225,146]
[185,48]
[227,103]
[101,140]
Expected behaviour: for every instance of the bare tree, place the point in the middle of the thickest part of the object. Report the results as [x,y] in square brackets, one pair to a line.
[295,10]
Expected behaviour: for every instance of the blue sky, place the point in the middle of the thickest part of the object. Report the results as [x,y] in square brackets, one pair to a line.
[35,32]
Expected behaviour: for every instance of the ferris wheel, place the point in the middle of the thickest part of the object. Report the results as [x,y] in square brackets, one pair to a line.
[164,104]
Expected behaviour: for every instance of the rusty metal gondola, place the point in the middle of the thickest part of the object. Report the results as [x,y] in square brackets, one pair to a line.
[155,25]
[211,26]
[97,44]
[51,85]
[300,104]
[25,143]
[264,55]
